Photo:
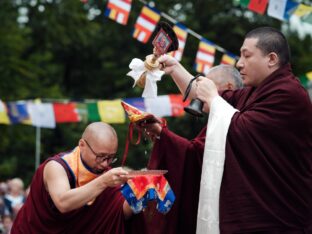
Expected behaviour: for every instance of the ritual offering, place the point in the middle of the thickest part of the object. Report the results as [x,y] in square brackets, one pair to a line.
[147,186]
[135,114]
[147,73]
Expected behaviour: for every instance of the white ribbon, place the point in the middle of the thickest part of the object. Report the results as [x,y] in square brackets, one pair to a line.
[137,69]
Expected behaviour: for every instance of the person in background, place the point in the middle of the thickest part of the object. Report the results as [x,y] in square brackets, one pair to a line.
[78,191]
[15,198]
[183,159]
[263,156]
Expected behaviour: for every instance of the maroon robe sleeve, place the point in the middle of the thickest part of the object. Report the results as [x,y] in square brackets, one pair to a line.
[183,160]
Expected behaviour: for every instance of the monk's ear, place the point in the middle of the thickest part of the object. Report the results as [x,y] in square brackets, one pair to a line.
[81,142]
[273,59]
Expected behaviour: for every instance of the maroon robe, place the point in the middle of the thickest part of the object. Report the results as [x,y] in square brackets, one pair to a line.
[267,180]
[39,214]
[183,159]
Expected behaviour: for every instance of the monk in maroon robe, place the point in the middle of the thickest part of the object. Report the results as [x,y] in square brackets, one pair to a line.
[77,192]
[183,159]
[266,184]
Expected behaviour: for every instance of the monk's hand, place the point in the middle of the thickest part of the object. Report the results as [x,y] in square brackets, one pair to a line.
[168,63]
[115,176]
[206,90]
[151,127]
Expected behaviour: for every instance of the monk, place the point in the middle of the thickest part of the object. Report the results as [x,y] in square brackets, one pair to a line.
[257,171]
[183,159]
[77,191]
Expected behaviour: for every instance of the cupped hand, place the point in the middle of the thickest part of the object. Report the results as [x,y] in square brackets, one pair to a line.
[115,176]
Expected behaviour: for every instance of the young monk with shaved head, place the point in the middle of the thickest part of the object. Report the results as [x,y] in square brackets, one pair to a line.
[78,191]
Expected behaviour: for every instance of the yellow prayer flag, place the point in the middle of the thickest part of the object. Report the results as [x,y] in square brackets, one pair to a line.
[309,75]
[302,10]
[111,111]
[4,118]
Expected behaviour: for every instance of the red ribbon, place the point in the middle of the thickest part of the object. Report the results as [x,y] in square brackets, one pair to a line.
[130,139]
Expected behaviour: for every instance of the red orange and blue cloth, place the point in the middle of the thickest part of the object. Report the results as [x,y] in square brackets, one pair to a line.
[143,188]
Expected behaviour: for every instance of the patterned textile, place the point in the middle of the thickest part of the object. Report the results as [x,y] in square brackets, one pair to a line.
[141,189]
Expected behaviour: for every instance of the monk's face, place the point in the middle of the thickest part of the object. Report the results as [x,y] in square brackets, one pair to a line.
[253,63]
[98,154]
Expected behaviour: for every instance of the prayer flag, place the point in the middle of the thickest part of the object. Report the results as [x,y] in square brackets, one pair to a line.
[111,111]
[277,9]
[291,6]
[93,112]
[41,115]
[118,10]
[244,3]
[4,118]
[177,104]
[306,79]
[82,111]
[146,23]
[205,56]
[159,106]
[65,112]
[309,75]
[303,10]
[228,58]
[17,112]
[258,6]
[181,32]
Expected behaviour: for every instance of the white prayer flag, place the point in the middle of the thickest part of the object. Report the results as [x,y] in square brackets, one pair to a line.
[41,114]
[159,106]
[277,9]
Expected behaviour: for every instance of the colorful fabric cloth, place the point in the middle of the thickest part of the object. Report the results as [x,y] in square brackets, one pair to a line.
[141,189]
[81,174]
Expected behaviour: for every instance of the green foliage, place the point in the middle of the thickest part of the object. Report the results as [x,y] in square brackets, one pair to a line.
[60,53]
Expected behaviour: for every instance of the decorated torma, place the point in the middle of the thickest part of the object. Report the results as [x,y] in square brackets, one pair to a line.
[147,73]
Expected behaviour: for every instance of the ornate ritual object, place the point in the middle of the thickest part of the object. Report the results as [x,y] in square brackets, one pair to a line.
[147,73]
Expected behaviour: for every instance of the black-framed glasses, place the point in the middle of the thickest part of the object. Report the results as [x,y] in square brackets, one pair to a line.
[102,157]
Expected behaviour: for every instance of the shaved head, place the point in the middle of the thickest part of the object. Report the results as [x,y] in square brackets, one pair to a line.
[100,132]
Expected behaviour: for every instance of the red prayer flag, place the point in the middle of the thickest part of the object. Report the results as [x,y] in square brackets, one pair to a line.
[65,112]
[177,104]
[258,6]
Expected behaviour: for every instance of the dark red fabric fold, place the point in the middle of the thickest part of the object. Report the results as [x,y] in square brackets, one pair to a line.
[183,160]
[268,167]
[39,214]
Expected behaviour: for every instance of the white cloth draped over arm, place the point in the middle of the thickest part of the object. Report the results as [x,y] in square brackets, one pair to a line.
[219,121]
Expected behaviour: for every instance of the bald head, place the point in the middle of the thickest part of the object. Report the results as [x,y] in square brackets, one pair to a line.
[225,77]
[100,132]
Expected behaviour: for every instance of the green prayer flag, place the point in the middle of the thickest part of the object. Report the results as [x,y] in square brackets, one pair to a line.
[244,3]
[304,80]
[93,112]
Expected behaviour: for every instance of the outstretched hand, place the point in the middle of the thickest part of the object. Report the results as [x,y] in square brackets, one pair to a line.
[114,177]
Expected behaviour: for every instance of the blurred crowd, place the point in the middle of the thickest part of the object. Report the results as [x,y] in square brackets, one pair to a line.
[12,197]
